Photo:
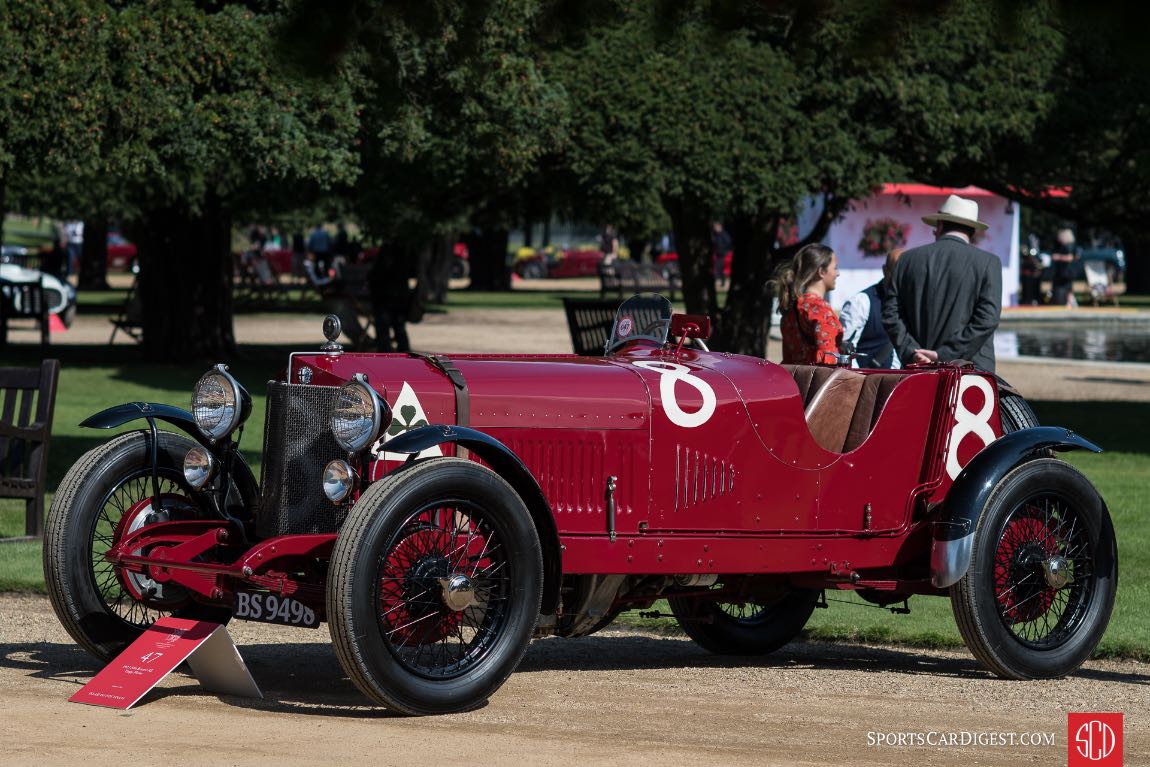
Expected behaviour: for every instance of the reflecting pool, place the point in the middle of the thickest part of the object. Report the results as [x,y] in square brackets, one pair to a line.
[1076,340]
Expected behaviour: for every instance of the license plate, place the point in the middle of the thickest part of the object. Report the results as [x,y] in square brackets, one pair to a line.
[272,608]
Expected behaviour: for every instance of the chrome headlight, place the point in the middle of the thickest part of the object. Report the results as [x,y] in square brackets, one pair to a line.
[358,416]
[198,467]
[338,480]
[219,404]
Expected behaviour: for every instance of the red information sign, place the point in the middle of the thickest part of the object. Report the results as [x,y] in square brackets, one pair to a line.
[206,647]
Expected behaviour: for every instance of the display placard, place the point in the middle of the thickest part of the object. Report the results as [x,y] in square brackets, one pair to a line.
[207,647]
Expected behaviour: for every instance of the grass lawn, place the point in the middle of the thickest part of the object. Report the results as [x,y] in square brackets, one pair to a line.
[28,232]
[88,386]
[91,381]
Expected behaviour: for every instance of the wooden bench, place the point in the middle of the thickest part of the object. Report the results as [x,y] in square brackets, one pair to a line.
[27,400]
[629,277]
[23,301]
[590,321]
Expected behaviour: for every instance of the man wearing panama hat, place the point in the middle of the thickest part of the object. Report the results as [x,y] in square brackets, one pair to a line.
[945,298]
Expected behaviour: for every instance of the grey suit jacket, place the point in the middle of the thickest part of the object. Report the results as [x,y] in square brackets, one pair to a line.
[946,296]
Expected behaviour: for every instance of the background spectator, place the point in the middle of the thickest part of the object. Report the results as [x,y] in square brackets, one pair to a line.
[720,246]
[862,322]
[945,298]
[609,244]
[391,299]
[319,245]
[1063,256]
[811,331]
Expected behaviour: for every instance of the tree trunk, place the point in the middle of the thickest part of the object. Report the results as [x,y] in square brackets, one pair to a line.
[94,255]
[1137,245]
[693,241]
[487,251]
[743,324]
[186,284]
[639,243]
[434,272]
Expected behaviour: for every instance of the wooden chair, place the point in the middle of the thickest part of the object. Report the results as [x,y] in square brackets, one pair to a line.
[131,317]
[1102,288]
[23,301]
[27,400]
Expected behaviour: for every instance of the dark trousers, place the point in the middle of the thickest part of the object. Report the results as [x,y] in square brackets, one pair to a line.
[389,323]
[1060,293]
[1031,290]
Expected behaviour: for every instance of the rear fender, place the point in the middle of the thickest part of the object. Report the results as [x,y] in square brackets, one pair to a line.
[507,465]
[240,472]
[954,533]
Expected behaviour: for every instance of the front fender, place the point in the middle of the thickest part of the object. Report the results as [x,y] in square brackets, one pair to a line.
[133,411]
[507,465]
[953,534]
[119,415]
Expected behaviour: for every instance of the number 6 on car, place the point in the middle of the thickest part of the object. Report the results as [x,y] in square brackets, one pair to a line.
[544,495]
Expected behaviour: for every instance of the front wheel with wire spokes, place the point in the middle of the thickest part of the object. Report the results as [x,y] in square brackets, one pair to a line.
[434,587]
[1043,572]
[107,494]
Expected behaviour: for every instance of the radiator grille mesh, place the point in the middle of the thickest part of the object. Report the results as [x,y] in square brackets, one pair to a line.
[297,445]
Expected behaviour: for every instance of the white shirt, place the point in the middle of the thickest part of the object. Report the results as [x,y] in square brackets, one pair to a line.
[854,316]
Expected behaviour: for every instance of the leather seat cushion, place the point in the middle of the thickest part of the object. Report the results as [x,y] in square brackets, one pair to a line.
[832,410]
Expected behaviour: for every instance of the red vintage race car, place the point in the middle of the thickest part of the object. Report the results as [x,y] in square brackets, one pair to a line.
[438,512]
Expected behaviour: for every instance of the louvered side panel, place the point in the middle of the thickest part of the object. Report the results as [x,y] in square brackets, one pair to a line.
[701,478]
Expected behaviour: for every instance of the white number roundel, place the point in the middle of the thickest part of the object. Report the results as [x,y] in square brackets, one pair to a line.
[967,422]
[672,374]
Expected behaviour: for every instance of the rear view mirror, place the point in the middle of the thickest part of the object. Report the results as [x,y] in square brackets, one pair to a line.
[691,326]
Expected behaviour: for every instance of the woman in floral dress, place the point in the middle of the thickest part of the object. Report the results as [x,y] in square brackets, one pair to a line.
[811,330]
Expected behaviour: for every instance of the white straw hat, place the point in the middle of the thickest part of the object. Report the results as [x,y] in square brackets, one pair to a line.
[958,210]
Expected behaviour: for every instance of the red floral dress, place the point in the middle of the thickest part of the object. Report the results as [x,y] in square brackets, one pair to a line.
[811,332]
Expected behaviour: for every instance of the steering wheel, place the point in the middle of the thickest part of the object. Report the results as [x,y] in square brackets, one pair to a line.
[651,327]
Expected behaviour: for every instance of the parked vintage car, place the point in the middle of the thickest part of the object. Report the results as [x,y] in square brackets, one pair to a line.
[122,254]
[58,294]
[439,511]
[577,262]
[668,263]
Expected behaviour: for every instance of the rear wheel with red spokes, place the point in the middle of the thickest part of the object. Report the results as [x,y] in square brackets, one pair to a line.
[1040,588]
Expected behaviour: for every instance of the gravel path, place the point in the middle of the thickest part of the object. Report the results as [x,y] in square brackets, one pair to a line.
[616,698]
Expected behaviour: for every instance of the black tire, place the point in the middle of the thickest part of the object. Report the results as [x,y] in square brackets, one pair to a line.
[1015,412]
[394,634]
[1015,621]
[98,605]
[747,629]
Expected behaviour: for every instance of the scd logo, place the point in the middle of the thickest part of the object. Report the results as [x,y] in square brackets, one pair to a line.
[1094,739]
